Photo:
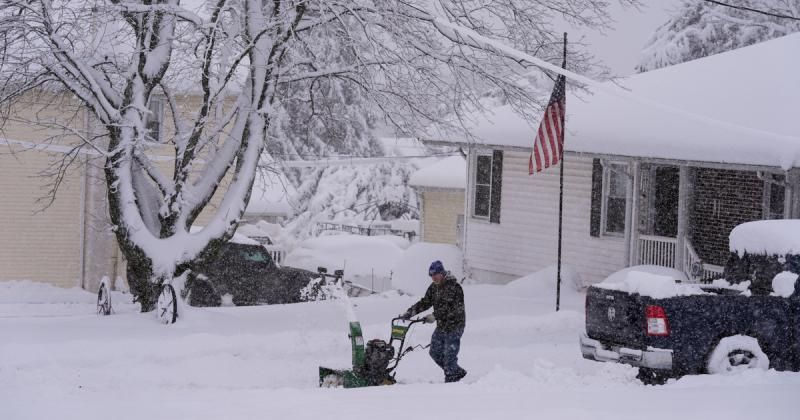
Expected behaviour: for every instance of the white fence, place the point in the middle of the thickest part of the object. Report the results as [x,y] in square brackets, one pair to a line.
[276,252]
[657,250]
[661,251]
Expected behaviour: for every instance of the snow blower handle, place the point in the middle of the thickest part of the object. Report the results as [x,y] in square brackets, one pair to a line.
[403,319]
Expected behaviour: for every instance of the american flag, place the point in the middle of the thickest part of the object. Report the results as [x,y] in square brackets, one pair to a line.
[548,147]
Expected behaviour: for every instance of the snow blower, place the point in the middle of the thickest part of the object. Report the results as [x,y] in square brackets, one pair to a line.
[375,363]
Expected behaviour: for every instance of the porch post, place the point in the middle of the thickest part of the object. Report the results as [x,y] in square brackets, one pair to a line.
[790,203]
[683,214]
[632,214]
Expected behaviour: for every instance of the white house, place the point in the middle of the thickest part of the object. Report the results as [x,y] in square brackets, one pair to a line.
[643,184]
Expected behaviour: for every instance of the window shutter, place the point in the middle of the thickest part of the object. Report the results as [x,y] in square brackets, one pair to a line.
[597,198]
[497,185]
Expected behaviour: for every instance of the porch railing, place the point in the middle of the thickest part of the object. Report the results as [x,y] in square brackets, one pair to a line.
[694,267]
[691,261]
[276,252]
[657,250]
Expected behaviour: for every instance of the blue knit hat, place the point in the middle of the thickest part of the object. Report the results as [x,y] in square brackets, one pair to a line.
[436,267]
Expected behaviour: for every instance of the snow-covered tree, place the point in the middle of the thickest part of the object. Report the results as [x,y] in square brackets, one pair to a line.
[699,29]
[229,71]
[358,193]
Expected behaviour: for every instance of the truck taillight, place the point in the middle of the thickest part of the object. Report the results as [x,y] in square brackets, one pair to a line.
[657,323]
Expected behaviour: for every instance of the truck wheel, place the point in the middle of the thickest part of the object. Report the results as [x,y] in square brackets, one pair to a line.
[735,353]
[652,376]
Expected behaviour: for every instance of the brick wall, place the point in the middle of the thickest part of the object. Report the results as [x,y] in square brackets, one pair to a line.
[722,199]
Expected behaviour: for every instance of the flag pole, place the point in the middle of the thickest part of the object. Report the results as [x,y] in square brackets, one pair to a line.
[561,188]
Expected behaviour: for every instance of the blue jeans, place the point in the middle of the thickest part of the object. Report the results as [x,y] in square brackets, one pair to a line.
[444,351]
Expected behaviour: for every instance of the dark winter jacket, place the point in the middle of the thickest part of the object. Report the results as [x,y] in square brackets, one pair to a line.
[447,299]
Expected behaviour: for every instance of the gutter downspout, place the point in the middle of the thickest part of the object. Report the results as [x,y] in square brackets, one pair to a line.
[467,195]
[83,208]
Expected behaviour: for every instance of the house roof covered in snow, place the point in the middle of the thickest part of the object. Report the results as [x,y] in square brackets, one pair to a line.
[740,106]
[450,172]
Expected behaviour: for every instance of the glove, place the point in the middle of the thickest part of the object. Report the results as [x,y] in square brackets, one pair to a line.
[430,319]
[405,315]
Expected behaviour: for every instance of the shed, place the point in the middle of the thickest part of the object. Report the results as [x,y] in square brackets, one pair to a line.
[440,187]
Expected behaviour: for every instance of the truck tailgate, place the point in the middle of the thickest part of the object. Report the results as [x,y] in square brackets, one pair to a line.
[615,316]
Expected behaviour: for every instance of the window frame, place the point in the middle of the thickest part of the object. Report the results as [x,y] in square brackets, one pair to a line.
[606,194]
[772,180]
[160,102]
[489,154]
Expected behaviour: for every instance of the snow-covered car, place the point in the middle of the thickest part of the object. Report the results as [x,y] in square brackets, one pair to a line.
[245,274]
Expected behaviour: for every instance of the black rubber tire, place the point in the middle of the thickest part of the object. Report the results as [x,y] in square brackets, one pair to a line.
[652,376]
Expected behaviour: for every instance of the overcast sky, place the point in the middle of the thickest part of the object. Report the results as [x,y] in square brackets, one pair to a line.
[620,48]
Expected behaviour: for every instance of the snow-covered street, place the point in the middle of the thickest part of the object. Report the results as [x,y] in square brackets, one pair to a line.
[59,360]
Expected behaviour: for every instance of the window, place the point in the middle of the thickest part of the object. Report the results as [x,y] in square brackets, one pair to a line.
[153,121]
[615,191]
[774,196]
[483,185]
[488,185]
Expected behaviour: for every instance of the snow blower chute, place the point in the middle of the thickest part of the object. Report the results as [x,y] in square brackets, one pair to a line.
[371,362]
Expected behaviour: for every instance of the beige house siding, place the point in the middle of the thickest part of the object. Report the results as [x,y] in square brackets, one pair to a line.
[70,242]
[526,238]
[440,212]
[36,243]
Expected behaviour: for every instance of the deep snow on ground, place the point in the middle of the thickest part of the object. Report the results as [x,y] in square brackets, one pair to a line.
[261,362]
[366,260]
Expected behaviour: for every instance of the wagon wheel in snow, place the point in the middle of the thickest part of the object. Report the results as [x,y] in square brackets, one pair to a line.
[103,300]
[167,305]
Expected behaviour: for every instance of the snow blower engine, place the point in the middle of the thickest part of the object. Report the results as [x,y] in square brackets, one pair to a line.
[371,364]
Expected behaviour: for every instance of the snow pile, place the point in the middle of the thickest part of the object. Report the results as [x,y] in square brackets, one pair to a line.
[260,229]
[619,276]
[25,291]
[242,362]
[743,287]
[450,172]
[771,237]
[237,237]
[410,273]
[19,298]
[366,260]
[545,280]
[648,284]
[783,284]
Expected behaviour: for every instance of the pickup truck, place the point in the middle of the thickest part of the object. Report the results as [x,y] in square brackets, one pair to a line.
[669,328]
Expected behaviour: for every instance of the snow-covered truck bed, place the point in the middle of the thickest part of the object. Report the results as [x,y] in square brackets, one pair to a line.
[668,328]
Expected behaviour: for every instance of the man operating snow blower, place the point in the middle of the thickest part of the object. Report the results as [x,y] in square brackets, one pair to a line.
[447,299]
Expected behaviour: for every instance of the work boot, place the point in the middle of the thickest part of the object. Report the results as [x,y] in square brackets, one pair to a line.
[457,377]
